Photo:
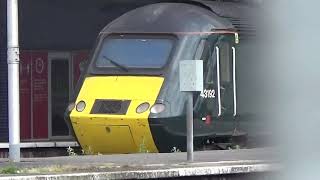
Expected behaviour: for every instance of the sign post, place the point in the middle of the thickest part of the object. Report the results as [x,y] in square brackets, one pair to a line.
[190,126]
[191,79]
[13,80]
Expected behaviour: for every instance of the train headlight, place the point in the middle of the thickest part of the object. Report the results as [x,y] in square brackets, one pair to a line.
[70,106]
[80,106]
[157,108]
[143,107]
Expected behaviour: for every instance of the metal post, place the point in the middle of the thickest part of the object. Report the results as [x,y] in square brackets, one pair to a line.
[13,80]
[190,126]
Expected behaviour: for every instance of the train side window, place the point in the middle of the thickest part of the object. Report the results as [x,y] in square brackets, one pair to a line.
[198,55]
[226,62]
[200,49]
[204,52]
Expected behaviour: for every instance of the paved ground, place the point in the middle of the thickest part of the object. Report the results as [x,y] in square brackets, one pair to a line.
[151,165]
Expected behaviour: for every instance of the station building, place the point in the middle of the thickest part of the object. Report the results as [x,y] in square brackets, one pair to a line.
[55,36]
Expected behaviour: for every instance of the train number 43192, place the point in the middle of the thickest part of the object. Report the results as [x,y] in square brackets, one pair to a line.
[208,93]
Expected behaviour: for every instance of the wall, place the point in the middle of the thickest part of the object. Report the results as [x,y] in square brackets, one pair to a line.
[3,74]
[72,24]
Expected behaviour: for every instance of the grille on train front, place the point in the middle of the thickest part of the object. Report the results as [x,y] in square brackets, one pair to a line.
[118,107]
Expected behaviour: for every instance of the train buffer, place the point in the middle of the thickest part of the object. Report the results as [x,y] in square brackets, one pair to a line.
[145,166]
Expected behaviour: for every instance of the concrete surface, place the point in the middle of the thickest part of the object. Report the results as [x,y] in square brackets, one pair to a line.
[42,144]
[143,166]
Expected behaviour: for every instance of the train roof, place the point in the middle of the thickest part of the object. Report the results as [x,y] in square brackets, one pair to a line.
[243,16]
[168,18]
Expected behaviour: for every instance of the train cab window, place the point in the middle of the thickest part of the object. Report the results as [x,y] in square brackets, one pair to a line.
[134,52]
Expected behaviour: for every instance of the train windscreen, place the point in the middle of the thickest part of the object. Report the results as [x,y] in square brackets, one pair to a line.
[134,52]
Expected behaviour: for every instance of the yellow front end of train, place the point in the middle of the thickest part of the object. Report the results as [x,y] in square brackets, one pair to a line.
[128,132]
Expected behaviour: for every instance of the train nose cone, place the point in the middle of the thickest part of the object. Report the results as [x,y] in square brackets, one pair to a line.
[110,123]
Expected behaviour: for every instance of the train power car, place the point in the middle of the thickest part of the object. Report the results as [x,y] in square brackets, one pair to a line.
[128,98]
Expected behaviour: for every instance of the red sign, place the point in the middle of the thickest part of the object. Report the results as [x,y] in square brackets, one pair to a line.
[34,91]
[78,57]
[25,95]
[40,94]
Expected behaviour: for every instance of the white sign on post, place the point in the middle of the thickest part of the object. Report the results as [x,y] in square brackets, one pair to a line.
[191,75]
[191,79]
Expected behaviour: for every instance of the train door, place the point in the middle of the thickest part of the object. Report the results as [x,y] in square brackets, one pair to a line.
[218,99]
[225,86]
[60,82]
[225,76]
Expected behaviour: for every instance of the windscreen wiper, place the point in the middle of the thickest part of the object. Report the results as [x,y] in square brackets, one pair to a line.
[123,67]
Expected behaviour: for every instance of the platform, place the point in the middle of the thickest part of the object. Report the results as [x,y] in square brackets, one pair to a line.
[42,144]
[143,166]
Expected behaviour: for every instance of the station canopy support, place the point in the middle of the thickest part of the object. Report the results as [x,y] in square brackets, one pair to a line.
[13,80]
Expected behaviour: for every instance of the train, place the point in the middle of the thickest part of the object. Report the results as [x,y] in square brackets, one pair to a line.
[128,98]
